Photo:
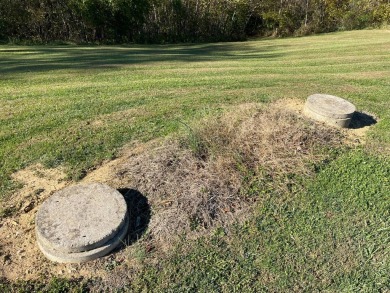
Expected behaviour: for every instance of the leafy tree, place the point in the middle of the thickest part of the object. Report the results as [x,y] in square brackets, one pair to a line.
[129,17]
[181,20]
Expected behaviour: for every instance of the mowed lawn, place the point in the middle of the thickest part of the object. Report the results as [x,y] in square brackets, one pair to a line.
[77,106]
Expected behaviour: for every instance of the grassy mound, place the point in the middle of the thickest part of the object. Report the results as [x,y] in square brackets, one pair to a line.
[213,175]
[331,236]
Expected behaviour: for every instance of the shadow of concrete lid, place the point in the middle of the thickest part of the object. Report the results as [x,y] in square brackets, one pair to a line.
[361,120]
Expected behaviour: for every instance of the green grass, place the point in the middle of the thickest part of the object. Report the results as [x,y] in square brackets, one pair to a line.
[55,285]
[76,106]
[331,237]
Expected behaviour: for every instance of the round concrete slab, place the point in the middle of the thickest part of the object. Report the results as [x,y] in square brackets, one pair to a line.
[77,257]
[329,109]
[330,106]
[80,218]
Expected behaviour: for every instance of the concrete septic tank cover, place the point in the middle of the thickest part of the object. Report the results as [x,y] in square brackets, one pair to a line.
[329,109]
[81,223]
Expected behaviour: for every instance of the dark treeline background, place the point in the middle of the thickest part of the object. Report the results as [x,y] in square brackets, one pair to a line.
[163,21]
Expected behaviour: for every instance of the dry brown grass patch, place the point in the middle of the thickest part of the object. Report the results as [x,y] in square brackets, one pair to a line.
[211,176]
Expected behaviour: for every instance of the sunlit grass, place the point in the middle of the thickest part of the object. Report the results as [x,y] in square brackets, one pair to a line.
[50,96]
[330,237]
[76,106]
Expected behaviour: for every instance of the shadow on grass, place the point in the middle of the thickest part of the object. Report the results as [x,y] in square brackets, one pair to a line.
[139,214]
[360,120]
[40,58]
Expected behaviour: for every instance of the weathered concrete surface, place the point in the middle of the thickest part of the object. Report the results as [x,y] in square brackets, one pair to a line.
[80,218]
[77,257]
[329,109]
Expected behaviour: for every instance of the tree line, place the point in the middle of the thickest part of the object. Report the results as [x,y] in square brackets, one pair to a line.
[169,21]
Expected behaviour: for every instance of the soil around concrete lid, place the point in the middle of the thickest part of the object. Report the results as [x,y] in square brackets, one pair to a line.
[80,218]
[330,106]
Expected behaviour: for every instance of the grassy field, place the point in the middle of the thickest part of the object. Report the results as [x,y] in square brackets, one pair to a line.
[76,106]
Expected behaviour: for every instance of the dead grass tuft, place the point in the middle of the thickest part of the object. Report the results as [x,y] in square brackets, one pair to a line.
[212,175]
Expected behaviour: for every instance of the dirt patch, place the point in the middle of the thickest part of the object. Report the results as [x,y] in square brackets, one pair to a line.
[18,253]
[209,176]
[295,105]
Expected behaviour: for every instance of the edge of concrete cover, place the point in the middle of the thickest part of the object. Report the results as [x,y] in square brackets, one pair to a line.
[81,223]
[329,109]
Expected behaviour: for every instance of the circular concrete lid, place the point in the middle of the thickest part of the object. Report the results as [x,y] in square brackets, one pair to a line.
[330,106]
[80,218]
[77,257]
